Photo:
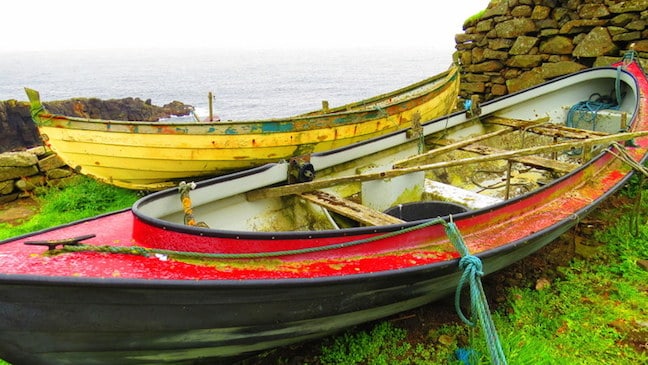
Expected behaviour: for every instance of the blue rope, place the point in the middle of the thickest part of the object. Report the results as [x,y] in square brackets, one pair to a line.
[466,356]
[592,105]
[472,271]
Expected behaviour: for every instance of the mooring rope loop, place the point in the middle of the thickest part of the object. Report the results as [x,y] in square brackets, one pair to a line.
[471,276]
[184,188]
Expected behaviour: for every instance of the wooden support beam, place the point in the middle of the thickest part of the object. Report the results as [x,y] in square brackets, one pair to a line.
[422,158]
[546,129]
[538,126]
[328,182]
[347,208]
[535,161]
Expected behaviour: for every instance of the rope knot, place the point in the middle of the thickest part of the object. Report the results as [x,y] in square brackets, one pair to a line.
[471,263]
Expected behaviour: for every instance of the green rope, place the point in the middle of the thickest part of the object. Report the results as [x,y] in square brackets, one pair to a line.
[628,58]
[138,250]
[472,271]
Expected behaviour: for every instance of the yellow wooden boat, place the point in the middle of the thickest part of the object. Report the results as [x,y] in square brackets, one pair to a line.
[153,155]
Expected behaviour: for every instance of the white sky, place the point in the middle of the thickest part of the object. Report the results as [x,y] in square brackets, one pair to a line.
[83,24]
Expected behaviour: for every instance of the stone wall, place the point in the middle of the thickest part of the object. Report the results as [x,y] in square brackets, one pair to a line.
[516,44]
[23,171]
[18,129]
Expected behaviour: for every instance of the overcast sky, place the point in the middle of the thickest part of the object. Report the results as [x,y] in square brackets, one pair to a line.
[82,24]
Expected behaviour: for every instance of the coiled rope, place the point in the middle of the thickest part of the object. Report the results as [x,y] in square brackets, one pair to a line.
[591,107]
[597,102]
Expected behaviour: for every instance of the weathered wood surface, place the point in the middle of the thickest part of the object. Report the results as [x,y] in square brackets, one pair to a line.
[541,126]
[534,161]
[347,208]
[421,158]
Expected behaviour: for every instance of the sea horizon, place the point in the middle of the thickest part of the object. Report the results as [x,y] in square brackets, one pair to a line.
[246,83]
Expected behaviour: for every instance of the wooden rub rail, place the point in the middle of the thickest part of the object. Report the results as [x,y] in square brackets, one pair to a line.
[347,208]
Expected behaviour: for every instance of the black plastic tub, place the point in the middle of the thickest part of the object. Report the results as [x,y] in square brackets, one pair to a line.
[425,210]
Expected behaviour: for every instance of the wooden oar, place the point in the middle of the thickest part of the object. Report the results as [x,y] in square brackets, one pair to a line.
[324,183]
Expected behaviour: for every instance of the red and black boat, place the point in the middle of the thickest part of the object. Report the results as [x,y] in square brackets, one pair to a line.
[300,249]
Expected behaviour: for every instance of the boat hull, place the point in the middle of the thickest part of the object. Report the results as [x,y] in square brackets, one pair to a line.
[145,322]
[148,156]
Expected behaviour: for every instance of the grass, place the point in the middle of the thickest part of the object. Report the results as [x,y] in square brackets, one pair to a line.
[80,198]
[595,311]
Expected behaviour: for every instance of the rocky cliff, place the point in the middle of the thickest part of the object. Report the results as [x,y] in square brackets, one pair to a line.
[26,165]
[19,132]
[515,44]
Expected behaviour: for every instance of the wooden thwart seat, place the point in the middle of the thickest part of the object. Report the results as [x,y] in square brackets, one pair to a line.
[347,208]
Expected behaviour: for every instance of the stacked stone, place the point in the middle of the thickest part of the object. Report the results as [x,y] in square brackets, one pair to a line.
[23,171]
[516,44]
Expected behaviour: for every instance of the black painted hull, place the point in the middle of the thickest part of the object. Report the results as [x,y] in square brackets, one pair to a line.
[88,322]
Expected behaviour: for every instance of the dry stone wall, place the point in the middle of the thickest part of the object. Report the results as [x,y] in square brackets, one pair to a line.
[23,171]
[516,44]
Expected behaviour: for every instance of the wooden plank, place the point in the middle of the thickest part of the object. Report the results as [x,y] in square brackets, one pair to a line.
[453,194]
[347,208]
[546,129]
[324,183]
[538,126]
[421,158]
[535,161]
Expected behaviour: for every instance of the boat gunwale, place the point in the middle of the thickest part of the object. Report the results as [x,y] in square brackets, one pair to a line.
[446,266]
[442,267]
[450,74]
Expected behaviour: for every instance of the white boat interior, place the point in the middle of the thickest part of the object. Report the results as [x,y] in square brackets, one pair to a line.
[469,160]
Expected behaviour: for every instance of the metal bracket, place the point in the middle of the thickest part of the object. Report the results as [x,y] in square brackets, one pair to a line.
[300,170]
[52,244]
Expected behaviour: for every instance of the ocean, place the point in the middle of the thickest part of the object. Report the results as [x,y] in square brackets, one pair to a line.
[246,84]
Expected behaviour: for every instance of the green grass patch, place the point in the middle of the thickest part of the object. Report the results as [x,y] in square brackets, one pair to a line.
[591,314]
[383,345]
[81,198]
